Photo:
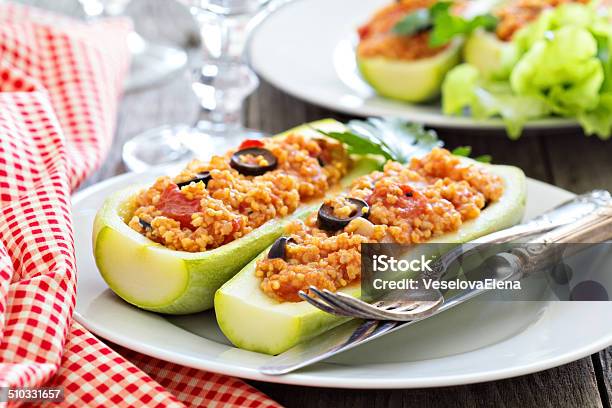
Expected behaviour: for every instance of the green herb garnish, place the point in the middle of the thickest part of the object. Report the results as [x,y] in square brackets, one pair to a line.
[485,158]
[413,23]
[444,25]
[465,151]
[447,26]
[394,139]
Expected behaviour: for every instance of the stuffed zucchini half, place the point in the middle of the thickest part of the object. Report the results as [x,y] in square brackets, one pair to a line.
[168,248]
[403,66]
[259,310]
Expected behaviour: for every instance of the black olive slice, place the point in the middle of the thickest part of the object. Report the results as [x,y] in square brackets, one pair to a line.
[253,169]
[321,162]
[329,222]
[279,248]
[203,176]
[428,27]
[144,224]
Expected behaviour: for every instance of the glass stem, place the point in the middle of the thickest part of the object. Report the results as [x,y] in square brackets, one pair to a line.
[224,38]
[215,83]
[214,35]
[220,120]
[96,9]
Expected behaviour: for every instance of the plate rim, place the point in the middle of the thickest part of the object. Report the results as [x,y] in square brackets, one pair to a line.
[308,378]
[430,119]
[311,380]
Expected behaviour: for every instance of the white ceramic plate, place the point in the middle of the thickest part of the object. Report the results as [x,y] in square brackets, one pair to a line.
[306,48]
[475,342]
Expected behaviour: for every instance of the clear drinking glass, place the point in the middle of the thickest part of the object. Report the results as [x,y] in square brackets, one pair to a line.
[221,84]
[151,63]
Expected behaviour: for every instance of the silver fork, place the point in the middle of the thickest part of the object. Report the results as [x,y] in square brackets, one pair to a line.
[401,306]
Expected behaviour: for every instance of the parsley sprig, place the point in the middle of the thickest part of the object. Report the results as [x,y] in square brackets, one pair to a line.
[443,23]
[394,139]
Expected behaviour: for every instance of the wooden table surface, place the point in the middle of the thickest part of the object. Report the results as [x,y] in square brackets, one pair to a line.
[566,159]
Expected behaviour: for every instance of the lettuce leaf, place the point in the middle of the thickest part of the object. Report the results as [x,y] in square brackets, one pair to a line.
[458,89]
[569,14]
[464,89]
[603,35]
[599,120]
[563,67]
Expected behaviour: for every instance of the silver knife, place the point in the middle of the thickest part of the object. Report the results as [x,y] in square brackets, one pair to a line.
[358,332]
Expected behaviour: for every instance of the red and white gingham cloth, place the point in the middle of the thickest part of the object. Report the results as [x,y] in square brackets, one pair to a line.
[60,81]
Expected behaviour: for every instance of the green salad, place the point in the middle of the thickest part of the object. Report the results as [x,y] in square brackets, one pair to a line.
[560,64]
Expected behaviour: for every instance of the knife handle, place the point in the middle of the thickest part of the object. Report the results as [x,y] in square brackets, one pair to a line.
[546,250]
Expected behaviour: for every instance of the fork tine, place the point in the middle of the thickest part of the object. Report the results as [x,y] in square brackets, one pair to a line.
[423,309]
[364,308]
[409,307]
[417,309]
[416,312]
[320,304]
[332,299]
[341,304]
[389,306]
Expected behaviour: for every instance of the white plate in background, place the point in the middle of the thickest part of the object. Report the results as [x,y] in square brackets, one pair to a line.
[306,48]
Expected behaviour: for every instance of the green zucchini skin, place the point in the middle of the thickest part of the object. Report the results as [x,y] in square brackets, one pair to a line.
[409,81]
[253,321]
[155,278]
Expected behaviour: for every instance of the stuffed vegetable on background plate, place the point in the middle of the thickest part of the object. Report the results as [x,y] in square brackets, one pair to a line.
[382,58]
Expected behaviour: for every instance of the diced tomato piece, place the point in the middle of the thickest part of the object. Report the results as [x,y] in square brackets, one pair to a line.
[410,204]
[363,31]
[237,225]
[251,143]
[173,204]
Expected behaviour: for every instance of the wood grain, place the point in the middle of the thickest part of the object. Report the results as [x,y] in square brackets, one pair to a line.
[563,158]
[579,163]
[572,385]
[603,364]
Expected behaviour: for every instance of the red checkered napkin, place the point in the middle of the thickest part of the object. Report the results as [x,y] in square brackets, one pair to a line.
[59,86]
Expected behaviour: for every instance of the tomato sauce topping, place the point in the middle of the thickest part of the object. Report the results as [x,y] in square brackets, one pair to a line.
[174,204]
